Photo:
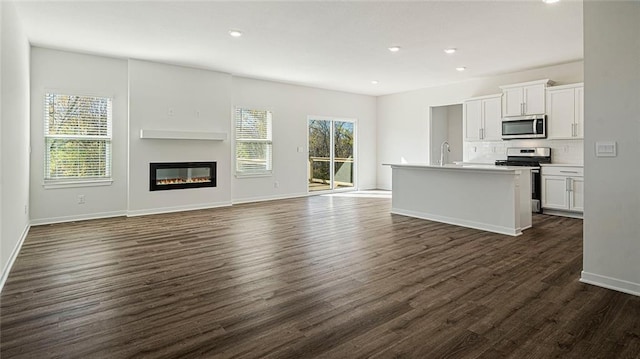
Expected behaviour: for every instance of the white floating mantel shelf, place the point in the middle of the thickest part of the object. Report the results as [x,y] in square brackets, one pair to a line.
[182,135]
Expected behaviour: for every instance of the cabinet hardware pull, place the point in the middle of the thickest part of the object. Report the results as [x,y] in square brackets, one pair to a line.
[568,171]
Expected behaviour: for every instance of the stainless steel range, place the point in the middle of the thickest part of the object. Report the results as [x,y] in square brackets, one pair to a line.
[529,157]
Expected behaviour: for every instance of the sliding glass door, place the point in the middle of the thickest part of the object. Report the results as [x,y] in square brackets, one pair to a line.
[331,154]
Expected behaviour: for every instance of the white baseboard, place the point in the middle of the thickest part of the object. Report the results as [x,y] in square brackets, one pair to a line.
[554,212]
[458,222]
[14,255]
[610,283]
[145,212]
[74,218]
[270,198]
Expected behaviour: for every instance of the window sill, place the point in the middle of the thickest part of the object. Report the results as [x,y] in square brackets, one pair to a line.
[253,175]
[77,183]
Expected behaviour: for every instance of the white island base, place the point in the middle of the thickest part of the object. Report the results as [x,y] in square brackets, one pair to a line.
[491,198]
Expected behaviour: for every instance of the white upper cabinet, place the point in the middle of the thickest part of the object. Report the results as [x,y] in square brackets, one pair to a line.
[525,98]
[579,119]
[472,115]
[534,99]
[512,101]
[482,118]
[565,112]
[492,115]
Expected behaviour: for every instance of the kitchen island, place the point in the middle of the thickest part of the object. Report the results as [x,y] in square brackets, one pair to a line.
[491,198]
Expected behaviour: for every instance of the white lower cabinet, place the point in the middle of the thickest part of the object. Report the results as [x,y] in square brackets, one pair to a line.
[563,188]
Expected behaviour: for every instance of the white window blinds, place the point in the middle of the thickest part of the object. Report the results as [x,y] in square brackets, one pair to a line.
[253,142]
[77,131]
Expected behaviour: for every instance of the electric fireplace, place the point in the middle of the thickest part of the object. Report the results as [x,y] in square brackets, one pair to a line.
[180,175]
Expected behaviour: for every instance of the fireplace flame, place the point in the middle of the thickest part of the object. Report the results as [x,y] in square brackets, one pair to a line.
[167,181]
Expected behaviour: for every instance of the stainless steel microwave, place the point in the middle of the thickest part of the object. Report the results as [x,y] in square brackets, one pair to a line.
[524,127]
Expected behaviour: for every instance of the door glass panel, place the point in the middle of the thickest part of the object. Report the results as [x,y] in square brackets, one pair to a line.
[319,166]
[343,154]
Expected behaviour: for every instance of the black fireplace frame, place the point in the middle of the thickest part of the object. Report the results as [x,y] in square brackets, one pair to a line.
[153,166]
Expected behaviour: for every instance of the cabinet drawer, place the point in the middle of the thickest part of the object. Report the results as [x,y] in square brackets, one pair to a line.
[562,171]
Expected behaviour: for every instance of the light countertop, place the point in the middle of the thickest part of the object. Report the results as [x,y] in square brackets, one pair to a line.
[463,166]
[561,165]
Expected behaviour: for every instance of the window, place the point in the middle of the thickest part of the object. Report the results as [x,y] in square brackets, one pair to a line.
[253,142]
[77,131]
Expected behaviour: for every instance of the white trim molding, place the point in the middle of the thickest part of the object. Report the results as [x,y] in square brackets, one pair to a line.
[610,283]
[13,256]
[459,222]
[82,217]
[270,198]
[145,212]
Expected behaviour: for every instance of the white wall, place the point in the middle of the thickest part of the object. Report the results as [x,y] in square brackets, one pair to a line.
[612,113]
[291,105]
[2,261]
[403,118]
[199,100]
[86,75]
[167,97]
[14,134]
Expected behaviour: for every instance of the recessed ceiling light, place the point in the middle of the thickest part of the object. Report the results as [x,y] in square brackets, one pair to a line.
[450,50]
[374,82]
[550,1]
[235,33]
[461,68]
[394,48]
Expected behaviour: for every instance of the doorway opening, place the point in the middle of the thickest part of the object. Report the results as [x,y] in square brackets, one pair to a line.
[332,160]
[445,125]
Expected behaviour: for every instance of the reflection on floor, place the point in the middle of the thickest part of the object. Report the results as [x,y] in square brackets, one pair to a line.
[374,193]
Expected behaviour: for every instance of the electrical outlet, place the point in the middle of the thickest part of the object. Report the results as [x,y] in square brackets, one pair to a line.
[197,114]
[80,199]
[170,112]
[276,184]
[26,209]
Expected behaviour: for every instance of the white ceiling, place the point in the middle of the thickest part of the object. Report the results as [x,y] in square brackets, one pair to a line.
[334,45]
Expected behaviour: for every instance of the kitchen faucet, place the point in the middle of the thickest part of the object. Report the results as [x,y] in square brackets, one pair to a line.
[445,143]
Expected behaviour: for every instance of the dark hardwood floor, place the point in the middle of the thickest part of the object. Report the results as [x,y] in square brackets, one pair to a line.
[317,277]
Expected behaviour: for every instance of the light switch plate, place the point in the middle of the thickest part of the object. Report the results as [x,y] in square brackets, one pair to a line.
[606,149]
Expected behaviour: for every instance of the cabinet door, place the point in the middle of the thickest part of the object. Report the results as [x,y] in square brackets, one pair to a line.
[472,120]
[560,113]
[492,119]
[579,110]
[576,197]
[533,98]
[512,101]
[554,192]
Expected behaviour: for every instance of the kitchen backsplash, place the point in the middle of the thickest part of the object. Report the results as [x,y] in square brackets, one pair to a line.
[562,151]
